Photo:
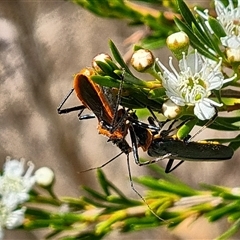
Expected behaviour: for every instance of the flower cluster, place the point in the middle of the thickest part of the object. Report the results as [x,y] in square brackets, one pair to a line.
[15,183]
[228,31]
[192,85]
[229,18]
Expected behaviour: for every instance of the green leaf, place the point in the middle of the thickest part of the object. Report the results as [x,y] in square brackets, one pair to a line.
[235,143]
[86,235]
[220,212]
[195,41]
[153,42]
[167,176]
[95,194]
[186,128]
[187,14]
[134,223]
[103,182]
[38,213]
[210,41]
[157,94]
[201,36]
[118,57]
[112,64]
[107,69]
[128,78]
[165,186]
[233,217]
[221,123]
[216,27]
[231,231]
[107,81]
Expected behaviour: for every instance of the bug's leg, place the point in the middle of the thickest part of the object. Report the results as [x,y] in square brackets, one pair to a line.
[86,116]
[71,109]
[145,125]
[135,190]
[134,145]
[153,119]
[169,168]
[168,155]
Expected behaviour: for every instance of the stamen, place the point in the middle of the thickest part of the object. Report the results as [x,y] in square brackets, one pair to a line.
[184,61]
[172,67]
[165,70]
[195,61]
[231,5]
[29,171]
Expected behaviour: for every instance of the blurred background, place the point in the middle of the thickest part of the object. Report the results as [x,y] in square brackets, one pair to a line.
[42,44]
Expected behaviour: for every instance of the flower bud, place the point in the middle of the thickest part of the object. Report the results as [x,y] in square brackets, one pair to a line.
[101,58]
[142,60]
[171,110]
[178,43]
[44,176]
[233,55]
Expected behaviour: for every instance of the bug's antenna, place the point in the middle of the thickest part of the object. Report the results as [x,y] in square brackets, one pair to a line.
[118,100]
[103,165]
[209,122]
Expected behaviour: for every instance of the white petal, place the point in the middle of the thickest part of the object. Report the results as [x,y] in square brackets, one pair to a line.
[28,183]
[216,81]
[10,201]
[22,197]
[232,41]
[195,62]
[177,100]
[13,168]
[15,219]
[204,110]
[213,103]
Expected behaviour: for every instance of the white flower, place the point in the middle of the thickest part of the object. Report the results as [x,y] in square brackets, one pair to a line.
[15,180]
[15,183]
[192,86]
[229,18]
[10,219]
[14,218]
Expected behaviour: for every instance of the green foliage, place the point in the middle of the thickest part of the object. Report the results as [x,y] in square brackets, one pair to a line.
[168,201]
[159,23]
[99,213]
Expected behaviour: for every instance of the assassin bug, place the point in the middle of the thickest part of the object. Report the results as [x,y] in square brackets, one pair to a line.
[113,122]
[165,146]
